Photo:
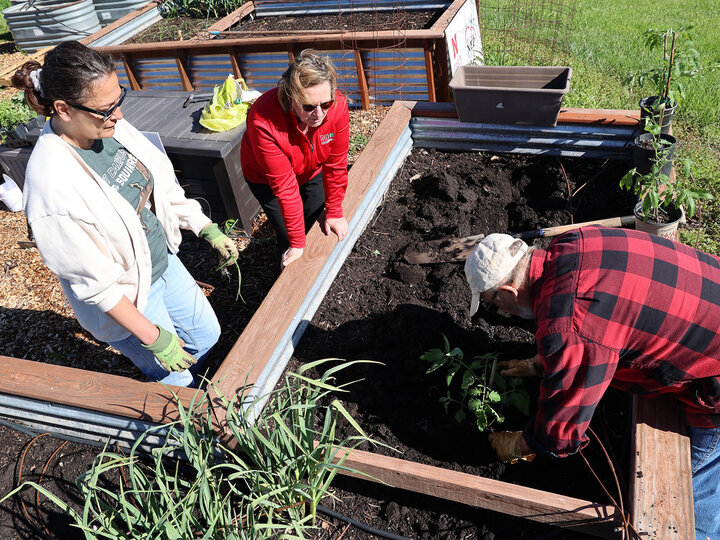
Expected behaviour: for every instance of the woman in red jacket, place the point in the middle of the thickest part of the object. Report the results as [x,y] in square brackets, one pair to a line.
[294,153]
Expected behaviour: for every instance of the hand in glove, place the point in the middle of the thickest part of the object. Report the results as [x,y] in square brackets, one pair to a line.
[525,367]
[509,446]
[222,243]
[168,349]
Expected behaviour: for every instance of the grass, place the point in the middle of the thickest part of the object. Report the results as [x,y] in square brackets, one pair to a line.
[606,43]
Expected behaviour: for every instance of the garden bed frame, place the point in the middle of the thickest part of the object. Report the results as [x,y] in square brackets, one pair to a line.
[184,65]
[661,503]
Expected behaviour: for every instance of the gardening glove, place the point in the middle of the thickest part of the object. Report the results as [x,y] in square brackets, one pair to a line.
[508,445]
[222,243]
[524,367]
[168,349]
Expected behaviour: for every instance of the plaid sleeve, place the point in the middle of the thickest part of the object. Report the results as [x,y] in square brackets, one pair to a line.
[577,372]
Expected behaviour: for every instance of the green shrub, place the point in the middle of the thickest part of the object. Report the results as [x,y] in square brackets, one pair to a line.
[199,8]
[14,112]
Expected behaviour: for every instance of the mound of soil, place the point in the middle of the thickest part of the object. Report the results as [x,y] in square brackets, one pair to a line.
[383,309]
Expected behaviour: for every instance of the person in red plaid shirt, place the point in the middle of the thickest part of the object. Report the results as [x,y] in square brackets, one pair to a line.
[614,307]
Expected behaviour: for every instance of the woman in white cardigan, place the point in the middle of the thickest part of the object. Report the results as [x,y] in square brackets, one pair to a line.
[106,210]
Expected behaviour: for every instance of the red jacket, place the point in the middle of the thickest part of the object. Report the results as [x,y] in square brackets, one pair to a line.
[275,152]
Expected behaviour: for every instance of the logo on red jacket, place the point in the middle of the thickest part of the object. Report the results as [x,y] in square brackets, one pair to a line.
[327,138]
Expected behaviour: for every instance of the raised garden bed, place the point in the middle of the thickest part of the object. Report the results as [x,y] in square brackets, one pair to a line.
[260,354]
[376,66]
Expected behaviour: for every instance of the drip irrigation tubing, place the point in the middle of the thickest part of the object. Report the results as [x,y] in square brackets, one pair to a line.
[362,526]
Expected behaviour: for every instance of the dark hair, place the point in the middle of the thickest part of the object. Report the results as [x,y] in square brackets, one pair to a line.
[68,73]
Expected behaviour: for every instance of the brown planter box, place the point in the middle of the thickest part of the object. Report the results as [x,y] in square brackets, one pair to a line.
[510,95]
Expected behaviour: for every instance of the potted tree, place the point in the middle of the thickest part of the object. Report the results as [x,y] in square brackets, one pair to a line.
[680,62]
[662,200]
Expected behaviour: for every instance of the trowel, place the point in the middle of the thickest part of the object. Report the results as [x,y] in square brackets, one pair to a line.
[446,250]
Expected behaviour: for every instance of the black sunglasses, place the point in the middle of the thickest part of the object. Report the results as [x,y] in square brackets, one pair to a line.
[324,106]
[105,115]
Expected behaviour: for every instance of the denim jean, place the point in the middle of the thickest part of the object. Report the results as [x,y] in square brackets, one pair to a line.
[705,447]
[177,304]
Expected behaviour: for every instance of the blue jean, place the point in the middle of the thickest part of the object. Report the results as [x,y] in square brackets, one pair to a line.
[177,304]
[705,448]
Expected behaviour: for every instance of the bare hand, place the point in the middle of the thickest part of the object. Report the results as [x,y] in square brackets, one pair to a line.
[337,225]
[290,255]
[525,367]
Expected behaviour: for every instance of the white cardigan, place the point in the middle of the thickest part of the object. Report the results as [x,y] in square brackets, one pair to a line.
[90,236]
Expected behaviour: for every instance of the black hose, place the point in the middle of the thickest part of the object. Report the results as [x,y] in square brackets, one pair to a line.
[362,526]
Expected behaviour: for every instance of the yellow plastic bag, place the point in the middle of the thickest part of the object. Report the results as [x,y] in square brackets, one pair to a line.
[229,105]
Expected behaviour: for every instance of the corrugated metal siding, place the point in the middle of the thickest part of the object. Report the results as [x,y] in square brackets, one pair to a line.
[47,22]
[391,74]
[264,8]
[129,29]
[395,74]
[567,140]
[111,10]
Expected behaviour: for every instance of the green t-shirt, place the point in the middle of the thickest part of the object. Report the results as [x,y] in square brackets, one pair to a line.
[118,168]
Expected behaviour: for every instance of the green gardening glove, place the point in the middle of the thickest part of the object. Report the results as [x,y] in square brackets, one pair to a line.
[168,349]
[222,243]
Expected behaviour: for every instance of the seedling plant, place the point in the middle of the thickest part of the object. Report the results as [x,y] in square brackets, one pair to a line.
[483,392]
[264,481]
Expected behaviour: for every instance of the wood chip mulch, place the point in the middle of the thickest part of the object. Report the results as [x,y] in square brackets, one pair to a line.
[37,323]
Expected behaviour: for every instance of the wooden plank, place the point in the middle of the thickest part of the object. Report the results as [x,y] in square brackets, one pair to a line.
[153,4]
[661,491]
[180,60]
[7,73]
[263,333]
[362,81]
[447,16]
[515,500]
[102,392]
[429,73]
[442,69]
[232,18]
[130,72]
[568,115]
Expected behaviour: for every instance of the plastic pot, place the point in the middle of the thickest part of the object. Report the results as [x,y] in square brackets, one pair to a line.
[666,230]
[646,109]
[644,154]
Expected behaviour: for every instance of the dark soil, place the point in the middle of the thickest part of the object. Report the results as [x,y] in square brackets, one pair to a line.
[343,22]
[175,29]
[381,309]
[181,28]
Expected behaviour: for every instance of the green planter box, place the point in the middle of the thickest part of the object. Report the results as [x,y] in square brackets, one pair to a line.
[527,95]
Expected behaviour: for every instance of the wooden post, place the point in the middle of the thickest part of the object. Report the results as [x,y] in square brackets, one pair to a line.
[235,62]
[180,60]
[362,81]
[430,74]
[130,71]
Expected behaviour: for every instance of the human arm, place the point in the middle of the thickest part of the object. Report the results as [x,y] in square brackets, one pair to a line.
[268,155]
[523,367]
[165,346]
[335,174]
[576,374]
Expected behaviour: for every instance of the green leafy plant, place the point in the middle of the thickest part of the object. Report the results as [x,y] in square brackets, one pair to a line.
[13,112]
[656,190]
[357,143]
[199,8]
[264,482]
[680,62]
[483,393]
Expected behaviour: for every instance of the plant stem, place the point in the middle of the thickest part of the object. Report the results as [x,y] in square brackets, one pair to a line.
[670,66]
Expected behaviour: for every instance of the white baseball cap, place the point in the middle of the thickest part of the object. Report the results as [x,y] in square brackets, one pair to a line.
[490,262]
